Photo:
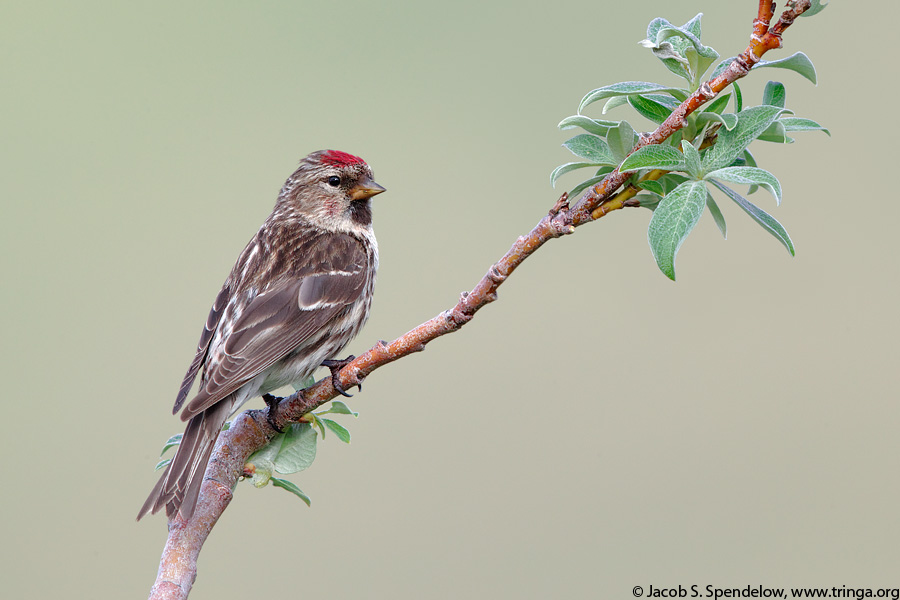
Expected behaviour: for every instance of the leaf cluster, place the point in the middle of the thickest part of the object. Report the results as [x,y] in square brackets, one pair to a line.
[289,452]
[674,179]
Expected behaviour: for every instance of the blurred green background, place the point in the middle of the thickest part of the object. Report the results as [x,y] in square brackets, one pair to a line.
[596,429]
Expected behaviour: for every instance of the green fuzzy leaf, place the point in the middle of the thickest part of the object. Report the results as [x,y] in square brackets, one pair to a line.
[749,161]
[655,107]
[749,176]
[566,168]
[680,48]
[797,62]
[171,443]
[774,94]
[654,27]
[317,424]
[298,449]
[689,132]
[648,200]
[339,430]
[731,144]
[613,103]
[670,57]
[699,137]
[654,156]
[670,181]
[289,486]
[675,139]
[657,24]
[718,105]
[592,148]
[262,471]
[673,220]
[269,451]
[776,133]
[700,58]
[717,215]
[799,124]
[625,88]
[262,460]
[738,98]
[595,126]
[765,220]
[693,26]
[339,408]
[691,159]
[651,185]
[816,6]
[164,462]
[621,140]
[729,120]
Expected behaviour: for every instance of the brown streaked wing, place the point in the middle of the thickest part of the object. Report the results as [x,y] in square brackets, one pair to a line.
[212,322]
[281,318]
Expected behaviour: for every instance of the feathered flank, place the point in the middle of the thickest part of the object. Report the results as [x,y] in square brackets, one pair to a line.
[298,293]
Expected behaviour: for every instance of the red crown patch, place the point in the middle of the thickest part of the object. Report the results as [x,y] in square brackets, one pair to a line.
[337,158]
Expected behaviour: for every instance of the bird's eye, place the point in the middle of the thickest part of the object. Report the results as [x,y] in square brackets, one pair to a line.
[334,181]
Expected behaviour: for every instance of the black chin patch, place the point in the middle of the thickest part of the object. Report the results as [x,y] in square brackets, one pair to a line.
[361,212]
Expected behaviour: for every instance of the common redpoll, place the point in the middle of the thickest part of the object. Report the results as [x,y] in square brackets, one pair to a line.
[299,292]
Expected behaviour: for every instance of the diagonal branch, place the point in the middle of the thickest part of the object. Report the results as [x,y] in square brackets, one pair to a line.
[251,431]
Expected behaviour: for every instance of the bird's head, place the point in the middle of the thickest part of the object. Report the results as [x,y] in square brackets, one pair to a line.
[331,189]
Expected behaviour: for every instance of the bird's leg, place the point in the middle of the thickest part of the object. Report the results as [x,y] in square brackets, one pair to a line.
[335,366]
[272,413]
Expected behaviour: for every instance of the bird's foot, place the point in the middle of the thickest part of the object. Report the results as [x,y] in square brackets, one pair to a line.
[272,413]
[335,366]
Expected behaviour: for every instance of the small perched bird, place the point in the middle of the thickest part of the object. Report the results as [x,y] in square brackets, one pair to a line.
[298,293]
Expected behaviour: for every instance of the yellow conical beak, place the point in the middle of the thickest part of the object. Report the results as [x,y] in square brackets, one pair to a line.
[365,189]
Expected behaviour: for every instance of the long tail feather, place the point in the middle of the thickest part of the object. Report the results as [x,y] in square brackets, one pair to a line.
[179,486]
